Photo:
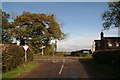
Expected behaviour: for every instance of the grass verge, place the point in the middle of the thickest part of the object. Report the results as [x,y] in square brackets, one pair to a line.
[109,70]
[20,70]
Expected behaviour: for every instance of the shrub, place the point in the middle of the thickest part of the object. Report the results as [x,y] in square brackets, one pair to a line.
[83,54]
[107,56]
[13,56]
[30,54]
[58,53]
[49,50]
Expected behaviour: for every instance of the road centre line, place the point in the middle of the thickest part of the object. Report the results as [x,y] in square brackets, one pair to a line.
[61,69]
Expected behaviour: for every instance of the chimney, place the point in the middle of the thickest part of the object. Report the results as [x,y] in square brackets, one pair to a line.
[101,35]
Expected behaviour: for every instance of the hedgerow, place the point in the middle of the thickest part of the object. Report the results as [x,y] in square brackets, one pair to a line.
[13,57]
[107,57]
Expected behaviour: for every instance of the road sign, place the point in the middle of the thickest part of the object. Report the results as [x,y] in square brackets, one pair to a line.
[25,47]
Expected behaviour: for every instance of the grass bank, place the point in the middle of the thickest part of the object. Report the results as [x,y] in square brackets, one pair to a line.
[110,70]
[18,71]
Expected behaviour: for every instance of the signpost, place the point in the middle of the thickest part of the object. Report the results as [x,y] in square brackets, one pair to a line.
[25,47]
[42,49]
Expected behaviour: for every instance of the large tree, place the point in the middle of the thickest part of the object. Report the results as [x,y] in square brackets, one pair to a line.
[5,27]
[112,16]
[36,29]
[39,27]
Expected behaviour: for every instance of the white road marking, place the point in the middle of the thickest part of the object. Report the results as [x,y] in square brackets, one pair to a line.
[47,59]
[61,69]
[63,60]
[55,61]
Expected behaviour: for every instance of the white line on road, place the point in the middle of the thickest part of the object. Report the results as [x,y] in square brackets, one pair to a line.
[46,59]
[61,69]
[63,60]
[55,61]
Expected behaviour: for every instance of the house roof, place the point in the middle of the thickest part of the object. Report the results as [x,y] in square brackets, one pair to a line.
[112,38]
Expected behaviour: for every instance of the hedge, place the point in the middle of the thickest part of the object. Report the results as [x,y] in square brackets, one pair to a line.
[30,54]
[13,56]
[107,56]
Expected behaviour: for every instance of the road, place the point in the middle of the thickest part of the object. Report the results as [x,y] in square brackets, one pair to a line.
[67,67]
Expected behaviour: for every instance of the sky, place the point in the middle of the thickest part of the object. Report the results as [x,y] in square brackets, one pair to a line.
[81,21]
[57,0]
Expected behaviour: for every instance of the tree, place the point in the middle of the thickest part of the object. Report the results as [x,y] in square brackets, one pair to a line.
[36,29]
[0,17]
[112,16]
[0,25]
[36,26]
[5,27]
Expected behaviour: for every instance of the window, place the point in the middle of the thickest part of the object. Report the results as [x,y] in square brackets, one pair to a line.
[109,44]
[99,44]
[117,45]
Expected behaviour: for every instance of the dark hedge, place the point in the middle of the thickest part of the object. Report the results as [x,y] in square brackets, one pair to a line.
[107,57]
[13,56]
[30,54]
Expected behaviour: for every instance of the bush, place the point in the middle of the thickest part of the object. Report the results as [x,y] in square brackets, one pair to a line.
[30,54]
[58,53]
[49,50]
[13,56]
[107,56]
[83,54]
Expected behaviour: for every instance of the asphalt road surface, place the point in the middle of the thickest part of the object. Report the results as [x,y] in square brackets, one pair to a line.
[67,67]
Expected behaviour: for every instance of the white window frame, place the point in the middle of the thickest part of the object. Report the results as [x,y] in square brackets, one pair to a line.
[110,44]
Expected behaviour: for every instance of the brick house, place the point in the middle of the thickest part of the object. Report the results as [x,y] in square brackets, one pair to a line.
[107,43]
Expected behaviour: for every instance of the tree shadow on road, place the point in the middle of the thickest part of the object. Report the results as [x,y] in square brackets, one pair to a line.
[92,72]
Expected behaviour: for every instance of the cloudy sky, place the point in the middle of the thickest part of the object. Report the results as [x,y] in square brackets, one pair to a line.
[81,20]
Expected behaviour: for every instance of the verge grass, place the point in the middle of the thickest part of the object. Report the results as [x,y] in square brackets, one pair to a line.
[23,68]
